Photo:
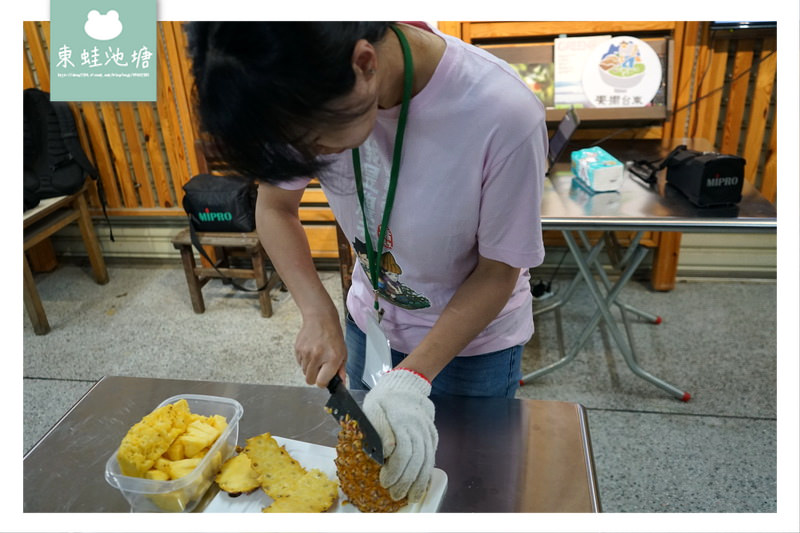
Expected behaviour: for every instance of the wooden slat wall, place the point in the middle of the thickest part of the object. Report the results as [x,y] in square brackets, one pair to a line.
[759,109]
[686,54]
[740,118]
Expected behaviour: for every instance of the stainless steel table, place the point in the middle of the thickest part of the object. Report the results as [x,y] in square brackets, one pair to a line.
[569,208]
[499,455]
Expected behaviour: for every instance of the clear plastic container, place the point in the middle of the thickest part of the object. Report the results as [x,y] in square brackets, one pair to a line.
[183,494]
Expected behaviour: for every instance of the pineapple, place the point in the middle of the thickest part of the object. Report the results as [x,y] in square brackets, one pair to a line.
[149,438]
[156,475]
[292,487]
[359,474]
[178,469]
[219,422]
[162,464]
[237,475]
[199,435]
[314,492]
[175,452]
[277,470]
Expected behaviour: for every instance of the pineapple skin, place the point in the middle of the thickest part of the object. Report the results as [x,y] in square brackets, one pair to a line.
[359,475]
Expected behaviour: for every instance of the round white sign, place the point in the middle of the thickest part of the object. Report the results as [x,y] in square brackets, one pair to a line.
[621,72]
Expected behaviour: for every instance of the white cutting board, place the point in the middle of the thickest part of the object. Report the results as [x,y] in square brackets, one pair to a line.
[321,457]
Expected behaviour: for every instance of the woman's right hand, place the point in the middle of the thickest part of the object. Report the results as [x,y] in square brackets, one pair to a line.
[320,349]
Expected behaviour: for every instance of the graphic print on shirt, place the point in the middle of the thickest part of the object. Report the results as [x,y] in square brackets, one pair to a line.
[389,285]
[375,175]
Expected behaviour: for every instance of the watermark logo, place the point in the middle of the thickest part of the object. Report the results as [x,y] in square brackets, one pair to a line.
[103,50]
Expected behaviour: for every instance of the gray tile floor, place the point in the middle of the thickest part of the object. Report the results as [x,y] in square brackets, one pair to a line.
[716,453]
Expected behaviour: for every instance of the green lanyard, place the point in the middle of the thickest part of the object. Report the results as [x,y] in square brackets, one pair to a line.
[373,253]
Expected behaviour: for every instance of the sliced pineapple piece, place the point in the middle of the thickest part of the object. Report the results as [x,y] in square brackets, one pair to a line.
[237,475]
[156,475]
[199,435]
[149,438]
[276,469]
[178,469]
[175,452]
[313,493]
[219,422]
[162,464]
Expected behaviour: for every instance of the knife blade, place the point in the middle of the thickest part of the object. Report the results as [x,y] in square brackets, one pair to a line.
[342,404]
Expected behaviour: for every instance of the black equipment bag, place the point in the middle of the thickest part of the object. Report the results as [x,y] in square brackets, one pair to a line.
[220,204]
[54,163]
[707,179]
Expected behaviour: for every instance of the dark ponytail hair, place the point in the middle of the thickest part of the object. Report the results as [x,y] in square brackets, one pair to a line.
[261,86]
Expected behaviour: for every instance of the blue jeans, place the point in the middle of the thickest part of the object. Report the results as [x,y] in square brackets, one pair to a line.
[494,374]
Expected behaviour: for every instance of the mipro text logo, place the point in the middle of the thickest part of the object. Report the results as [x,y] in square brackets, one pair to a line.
[722,181]
[215,216]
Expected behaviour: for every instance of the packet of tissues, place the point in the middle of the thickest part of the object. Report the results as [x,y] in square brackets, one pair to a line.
[597,169]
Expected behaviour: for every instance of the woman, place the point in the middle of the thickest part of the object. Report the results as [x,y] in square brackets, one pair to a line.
[434,146]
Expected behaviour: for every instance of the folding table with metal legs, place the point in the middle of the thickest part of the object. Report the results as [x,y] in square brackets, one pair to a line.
[586,261]
[636,207]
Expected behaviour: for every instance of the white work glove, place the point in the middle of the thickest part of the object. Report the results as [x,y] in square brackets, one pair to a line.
[402,414]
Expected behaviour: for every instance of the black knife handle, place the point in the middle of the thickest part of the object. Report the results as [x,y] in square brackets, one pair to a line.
[333,383]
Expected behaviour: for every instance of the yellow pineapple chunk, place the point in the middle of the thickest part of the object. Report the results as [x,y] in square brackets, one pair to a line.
[175,451]
[219,422]
[149,438]
[202,453]
[156,475]
[178,469]
[163,464]
[198,435]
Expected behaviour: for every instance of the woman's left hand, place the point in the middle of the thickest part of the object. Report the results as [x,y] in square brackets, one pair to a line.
[402,414]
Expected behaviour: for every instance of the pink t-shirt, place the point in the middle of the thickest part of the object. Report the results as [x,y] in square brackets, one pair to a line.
[470,183]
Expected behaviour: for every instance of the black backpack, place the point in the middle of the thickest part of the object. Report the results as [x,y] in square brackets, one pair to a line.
[54,163]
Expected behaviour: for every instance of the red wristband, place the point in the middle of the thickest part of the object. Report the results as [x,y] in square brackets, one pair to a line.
[413,372]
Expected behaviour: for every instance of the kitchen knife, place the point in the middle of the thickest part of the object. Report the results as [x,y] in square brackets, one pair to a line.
[341,404]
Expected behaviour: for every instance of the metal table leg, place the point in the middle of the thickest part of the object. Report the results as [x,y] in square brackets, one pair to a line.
[604,278]
[594,321]
[623,306]
[562,298]
[603,312]
[556,305]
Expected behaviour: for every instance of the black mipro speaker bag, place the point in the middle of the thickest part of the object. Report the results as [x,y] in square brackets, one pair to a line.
[220,204]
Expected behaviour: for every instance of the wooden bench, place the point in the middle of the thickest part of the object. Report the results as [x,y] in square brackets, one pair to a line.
[39,223]
[224,244]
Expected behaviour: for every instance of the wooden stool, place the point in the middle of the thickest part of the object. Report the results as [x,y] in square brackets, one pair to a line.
[198,276]
[41,222]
